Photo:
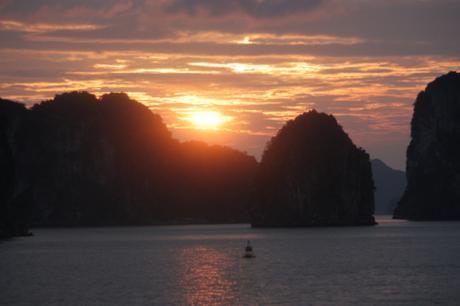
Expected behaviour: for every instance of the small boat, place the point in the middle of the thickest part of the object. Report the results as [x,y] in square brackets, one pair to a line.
[248,251]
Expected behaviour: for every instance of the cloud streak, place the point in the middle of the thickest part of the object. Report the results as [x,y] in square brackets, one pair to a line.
[11,25]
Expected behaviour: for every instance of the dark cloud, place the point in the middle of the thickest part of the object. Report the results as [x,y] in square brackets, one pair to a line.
[253,8]
[396,28]
[25,7]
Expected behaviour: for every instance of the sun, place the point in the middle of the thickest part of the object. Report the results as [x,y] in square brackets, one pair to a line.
[208,120]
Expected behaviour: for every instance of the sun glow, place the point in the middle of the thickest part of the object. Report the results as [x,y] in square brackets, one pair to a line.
[208,119]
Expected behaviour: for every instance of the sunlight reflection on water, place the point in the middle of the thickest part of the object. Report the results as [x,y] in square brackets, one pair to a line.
[204,276]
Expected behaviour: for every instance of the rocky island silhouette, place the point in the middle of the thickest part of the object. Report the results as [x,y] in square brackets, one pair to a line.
[311,173]
[79,160]
[433,155]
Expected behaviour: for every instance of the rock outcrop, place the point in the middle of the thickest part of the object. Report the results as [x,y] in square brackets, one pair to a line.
[389,187]
[311,174]
[433,156]
[81,160]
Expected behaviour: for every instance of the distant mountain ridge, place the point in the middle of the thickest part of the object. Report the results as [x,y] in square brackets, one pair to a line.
[389,184]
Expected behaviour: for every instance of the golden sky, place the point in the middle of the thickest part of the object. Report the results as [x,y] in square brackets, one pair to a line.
[252,64]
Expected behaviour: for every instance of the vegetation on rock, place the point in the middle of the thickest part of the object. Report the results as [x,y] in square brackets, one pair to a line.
[311,173]
[82,160]
[433,155]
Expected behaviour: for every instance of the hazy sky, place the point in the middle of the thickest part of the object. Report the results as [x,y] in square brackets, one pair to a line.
[257,62]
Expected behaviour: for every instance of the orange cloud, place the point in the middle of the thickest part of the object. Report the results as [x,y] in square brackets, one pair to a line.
[13,25]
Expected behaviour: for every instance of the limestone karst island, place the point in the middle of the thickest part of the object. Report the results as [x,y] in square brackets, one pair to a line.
[79,160]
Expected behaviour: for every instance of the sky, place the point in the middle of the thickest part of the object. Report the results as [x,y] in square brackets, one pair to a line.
[256,63]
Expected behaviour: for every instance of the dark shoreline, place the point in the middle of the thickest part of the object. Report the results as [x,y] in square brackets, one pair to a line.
[191,223]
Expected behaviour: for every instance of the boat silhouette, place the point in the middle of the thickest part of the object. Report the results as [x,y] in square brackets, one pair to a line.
[248,251]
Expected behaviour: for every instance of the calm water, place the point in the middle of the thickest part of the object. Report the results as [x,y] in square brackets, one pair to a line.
[397,263]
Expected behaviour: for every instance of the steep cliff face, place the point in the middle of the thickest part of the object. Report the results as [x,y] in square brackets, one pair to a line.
[13,218]
[311,173]
[81,160]
[433,156]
